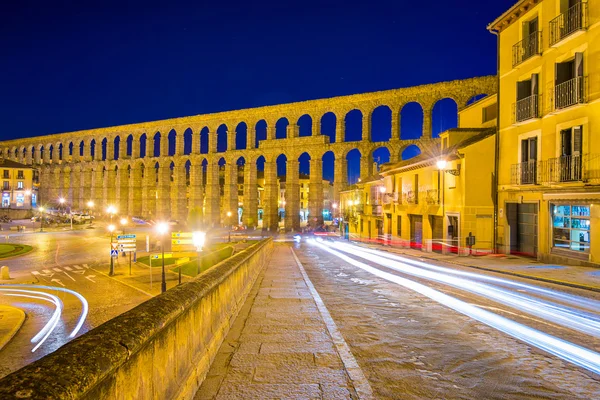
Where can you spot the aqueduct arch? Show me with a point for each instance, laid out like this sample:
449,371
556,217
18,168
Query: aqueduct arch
165,169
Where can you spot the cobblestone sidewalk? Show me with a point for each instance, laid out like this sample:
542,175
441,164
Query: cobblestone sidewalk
281,344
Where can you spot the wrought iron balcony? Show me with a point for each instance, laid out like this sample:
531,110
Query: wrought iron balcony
524,173
573,20
569,93
562,169
527,48
526,108
376,210
432,197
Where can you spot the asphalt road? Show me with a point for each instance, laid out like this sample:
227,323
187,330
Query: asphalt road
420,332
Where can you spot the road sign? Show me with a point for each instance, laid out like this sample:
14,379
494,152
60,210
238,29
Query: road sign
129,236
177,235
114,253
127,243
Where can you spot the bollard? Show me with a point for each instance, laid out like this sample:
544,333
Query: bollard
4,273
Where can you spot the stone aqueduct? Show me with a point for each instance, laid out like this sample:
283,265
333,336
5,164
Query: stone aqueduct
109,167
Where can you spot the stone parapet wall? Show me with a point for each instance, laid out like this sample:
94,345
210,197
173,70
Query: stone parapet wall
162,349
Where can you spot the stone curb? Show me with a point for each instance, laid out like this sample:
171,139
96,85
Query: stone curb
4,339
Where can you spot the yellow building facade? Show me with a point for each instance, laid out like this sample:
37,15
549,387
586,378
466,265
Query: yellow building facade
436,200
549,97
20,184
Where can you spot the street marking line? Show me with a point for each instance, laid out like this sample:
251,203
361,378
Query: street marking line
35,272
89,277
355,373
46,271
65,272
123,283
77,267
68,268
85,266
57,270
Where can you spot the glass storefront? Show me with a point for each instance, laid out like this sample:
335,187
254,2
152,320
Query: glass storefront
571,227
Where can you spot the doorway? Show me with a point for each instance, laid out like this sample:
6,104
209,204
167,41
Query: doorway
416,231
453,232
523,225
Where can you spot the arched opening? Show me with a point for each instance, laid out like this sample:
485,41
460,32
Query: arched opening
353,162
143,144
172,137
204,140
71,149
444,116
204,165
116,148
92,149
328,122
60,152
157,140
304,165
261,132
411,121
156,168
172,172
381,124
305,126
281,165
241,136
380,156
129,147
353,126
187,141
476,98
328,166
281,128
222,139
410,152
104,148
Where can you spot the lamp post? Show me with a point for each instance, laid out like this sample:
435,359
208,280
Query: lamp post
90,206
229,225
111,272
62,203
42,219
123,223
198,238
111,210
163,228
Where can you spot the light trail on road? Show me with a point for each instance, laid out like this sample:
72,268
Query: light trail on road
46,331
567,317
565,350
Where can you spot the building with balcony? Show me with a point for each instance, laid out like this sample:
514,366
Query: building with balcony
549,112
436,200
20,184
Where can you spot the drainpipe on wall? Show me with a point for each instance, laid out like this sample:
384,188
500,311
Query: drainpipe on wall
496,140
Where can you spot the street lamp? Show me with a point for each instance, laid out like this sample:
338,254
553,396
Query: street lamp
111,272
112,211
229,223
163,228
198,238
90,206
123,223
42,219
62,201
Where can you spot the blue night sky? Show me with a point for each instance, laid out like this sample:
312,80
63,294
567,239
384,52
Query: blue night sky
69,66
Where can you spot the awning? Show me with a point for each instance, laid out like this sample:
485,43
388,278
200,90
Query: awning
578,196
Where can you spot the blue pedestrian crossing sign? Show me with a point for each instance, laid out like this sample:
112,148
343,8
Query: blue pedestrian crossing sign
114,253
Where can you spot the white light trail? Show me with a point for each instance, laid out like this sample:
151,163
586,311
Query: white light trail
84,303
46,331
558,314
565,350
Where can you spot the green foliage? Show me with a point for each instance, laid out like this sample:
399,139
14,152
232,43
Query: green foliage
11,250
206,261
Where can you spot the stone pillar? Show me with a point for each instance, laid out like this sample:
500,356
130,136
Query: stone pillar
251,138
56,153
179,194
135,191
97,189
250,214
315,195
123,148
196,203
292,131
231,139
46,155
149,146
339,129
96,149
212,141
366,126
316,127
122,191
340,177
149,192
76,188
366,166
66,187
179,143
110,188
230,195
110,148
395,124
195,141
292,196
163,197
135,147
270,130
36,155
164,143
213,194
44,187
427,122
271,194
28,157
86,185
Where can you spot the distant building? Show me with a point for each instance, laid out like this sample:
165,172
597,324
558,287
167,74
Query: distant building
19,189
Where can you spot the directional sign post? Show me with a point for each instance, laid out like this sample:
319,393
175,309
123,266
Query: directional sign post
127,244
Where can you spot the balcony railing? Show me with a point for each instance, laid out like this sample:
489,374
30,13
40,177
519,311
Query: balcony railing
569,93
573,20
527,48
432,197
524,173
526,108
575,168
376,210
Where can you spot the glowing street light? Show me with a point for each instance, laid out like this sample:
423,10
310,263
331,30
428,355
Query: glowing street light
162,228
111,272
441,164
42,219
123,224
198,239
229,223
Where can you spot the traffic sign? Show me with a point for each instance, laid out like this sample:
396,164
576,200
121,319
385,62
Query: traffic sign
114,253
177,235
129,236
